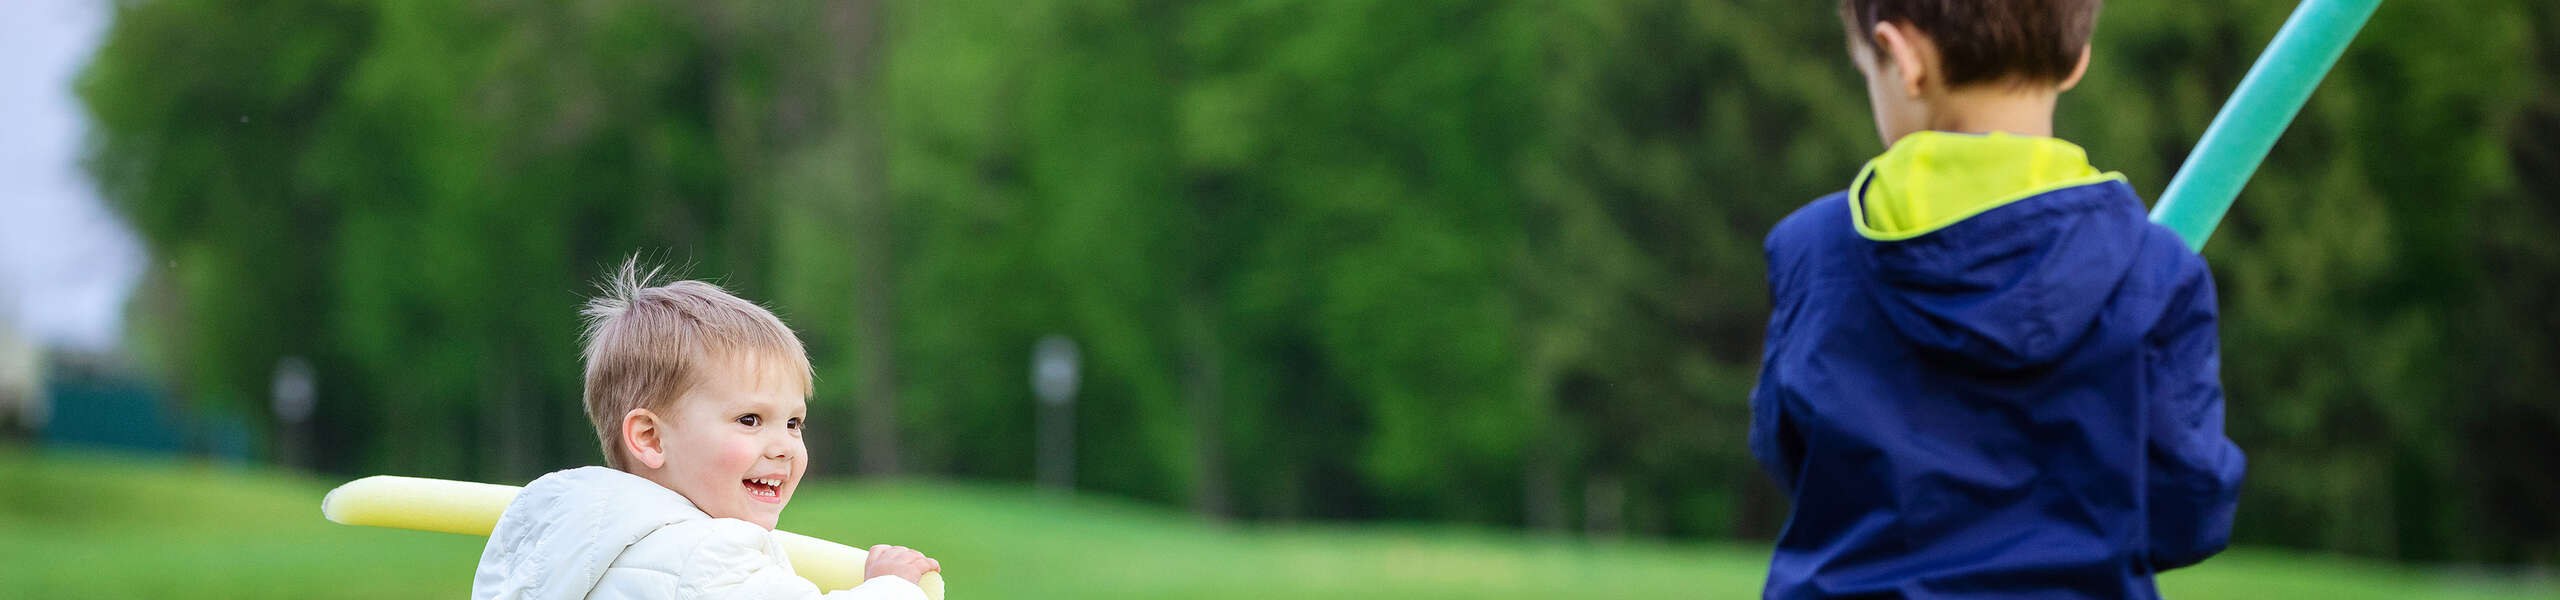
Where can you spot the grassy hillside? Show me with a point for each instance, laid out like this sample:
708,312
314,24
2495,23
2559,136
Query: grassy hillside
117,527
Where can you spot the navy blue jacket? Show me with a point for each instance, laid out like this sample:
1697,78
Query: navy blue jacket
2025,403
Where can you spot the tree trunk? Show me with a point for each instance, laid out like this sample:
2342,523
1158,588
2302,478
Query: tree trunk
856,25
1604,504
1542,489
1203,380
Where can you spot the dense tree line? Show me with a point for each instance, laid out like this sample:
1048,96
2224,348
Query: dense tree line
1484,260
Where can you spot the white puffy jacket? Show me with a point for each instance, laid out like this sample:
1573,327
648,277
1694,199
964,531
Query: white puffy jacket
594,532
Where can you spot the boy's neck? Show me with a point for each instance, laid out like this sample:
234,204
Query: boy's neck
1988,108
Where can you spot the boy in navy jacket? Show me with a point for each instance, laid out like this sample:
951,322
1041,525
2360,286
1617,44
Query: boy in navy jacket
1986,373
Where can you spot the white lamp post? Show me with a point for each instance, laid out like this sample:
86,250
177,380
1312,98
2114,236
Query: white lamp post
294,393
1054,364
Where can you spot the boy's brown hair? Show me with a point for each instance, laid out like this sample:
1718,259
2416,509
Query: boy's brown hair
649,343
1986,41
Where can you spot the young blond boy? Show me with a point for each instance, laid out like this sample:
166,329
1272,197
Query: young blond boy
1986,374
699,398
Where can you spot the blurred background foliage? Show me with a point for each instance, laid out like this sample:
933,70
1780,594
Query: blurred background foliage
1490,261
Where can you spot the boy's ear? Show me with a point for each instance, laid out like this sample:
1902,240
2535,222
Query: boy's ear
2077,70
1913,57
643,438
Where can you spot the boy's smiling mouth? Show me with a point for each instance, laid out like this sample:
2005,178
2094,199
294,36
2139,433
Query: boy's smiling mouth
764,489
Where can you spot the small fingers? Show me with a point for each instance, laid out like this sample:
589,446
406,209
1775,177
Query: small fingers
894,553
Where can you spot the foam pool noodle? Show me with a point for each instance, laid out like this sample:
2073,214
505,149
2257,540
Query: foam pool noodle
2257,113
472,509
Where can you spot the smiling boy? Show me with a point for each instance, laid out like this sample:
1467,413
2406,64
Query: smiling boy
699,398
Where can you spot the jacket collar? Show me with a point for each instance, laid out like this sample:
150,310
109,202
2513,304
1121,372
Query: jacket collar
1929,180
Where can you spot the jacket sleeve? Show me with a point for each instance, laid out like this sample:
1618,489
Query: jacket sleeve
2194,480
739,561
1773,440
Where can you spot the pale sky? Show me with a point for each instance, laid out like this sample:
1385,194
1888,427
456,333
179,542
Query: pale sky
67,263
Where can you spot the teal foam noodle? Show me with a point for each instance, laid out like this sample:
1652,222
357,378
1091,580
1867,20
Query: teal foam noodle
2266,102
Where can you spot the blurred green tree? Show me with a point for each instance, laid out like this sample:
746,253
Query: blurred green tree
1493,261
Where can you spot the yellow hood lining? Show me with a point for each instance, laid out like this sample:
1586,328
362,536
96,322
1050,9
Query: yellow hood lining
1930,180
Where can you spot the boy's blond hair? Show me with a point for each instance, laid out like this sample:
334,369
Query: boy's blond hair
650,343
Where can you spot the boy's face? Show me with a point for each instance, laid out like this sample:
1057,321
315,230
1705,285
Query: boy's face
733,446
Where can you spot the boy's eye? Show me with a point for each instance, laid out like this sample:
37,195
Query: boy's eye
749,420
794,424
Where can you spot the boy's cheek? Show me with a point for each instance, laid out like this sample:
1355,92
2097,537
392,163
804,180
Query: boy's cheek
742,448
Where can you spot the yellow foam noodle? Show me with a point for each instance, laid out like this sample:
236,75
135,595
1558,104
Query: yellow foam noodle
416,503
836,566
473,508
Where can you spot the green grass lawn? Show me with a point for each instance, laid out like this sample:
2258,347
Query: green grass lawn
117,527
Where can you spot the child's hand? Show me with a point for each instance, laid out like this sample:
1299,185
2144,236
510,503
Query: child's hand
900,561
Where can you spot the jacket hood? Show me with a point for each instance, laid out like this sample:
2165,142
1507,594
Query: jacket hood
560,534
1988,250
